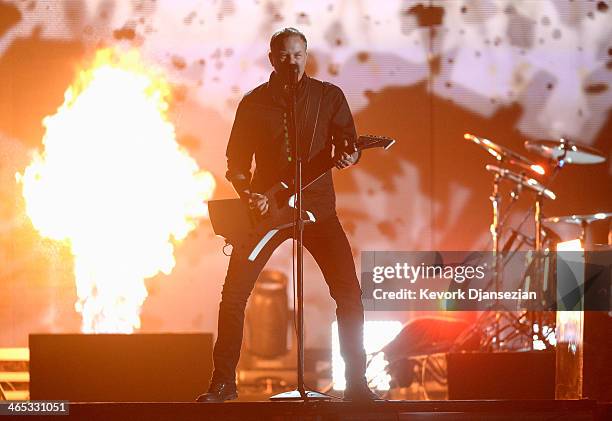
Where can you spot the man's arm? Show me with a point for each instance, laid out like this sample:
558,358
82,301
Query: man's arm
240,150
343,132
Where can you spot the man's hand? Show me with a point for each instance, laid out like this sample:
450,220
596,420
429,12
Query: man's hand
258,203
345,159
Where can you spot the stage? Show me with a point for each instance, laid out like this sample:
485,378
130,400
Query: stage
383,410
456,219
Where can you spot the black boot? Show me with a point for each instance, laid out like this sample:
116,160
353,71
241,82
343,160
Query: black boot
219,392
358,391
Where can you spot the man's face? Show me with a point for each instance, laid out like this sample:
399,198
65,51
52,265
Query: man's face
292,50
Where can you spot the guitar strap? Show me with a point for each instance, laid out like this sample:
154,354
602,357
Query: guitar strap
313,107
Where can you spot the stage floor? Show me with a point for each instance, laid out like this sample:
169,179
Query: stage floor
384,410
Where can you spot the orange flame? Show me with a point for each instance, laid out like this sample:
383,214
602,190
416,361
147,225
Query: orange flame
114,185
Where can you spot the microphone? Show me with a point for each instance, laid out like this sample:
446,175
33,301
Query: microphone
292,72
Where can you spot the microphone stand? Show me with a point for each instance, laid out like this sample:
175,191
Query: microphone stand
300,393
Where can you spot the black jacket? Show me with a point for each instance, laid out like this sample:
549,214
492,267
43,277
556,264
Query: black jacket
259,130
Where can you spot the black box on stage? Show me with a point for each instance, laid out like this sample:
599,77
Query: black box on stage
120,368
597,355
501,375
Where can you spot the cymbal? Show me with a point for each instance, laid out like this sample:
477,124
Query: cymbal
579,219
565,151
504,154
523,180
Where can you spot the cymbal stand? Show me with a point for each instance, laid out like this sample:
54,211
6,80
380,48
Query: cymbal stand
496,236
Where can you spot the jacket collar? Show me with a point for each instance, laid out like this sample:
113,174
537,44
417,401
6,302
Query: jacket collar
278,93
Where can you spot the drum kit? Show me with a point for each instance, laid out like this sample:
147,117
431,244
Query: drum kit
531,325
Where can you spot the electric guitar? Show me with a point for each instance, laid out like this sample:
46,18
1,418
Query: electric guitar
233,220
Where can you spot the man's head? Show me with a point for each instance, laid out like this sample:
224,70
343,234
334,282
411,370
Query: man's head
288,46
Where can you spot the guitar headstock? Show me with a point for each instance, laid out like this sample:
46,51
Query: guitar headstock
372,141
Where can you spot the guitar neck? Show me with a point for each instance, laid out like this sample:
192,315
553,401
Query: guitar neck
321,163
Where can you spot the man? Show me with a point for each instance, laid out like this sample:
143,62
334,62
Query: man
261,129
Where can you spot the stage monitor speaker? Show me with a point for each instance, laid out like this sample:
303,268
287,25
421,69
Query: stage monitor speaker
501,375
120,368
597,355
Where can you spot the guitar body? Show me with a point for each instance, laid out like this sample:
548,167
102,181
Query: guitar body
233,220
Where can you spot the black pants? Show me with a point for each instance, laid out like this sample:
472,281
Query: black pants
327,243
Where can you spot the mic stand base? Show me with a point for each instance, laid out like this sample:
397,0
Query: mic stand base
305,395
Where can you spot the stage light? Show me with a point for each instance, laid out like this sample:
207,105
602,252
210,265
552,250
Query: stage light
376,334
569,335
567,318
571,245
538,168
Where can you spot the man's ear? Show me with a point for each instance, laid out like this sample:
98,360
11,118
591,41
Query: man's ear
271,58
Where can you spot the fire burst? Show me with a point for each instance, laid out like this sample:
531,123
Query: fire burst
113,184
